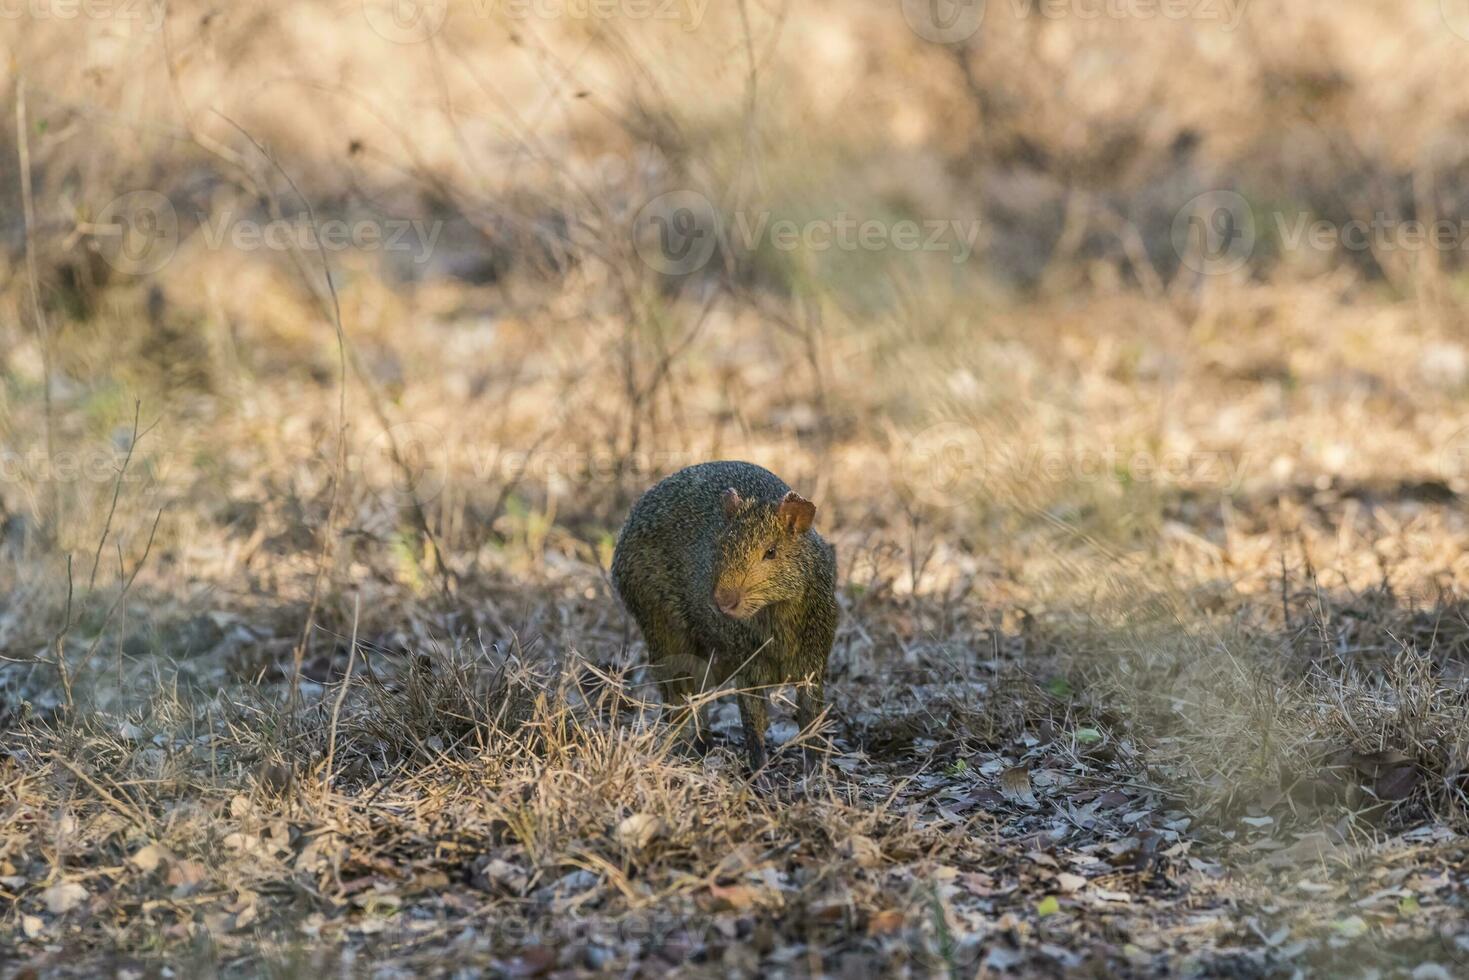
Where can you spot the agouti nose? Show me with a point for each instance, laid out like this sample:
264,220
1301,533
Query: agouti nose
727,599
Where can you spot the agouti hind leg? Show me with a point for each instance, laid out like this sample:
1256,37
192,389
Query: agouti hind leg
680,678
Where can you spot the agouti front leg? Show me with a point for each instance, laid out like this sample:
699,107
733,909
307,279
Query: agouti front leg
754,719
810,700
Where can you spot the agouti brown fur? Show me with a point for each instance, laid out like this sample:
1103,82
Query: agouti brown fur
725,576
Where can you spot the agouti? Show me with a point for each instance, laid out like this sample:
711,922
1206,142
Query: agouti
725,576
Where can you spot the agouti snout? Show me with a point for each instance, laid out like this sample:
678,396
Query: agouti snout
728,602
722,570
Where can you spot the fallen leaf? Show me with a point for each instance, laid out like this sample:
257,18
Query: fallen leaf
1352,927
1430,971
498,871
1397,783
1015,785
864,850
147,858
1308,849
1086,736
275,778
429,881
639,830
885,923
1069,882
245,916
374,902
532,962
186,877
32,926
63,896
1047,906
830,910
739,898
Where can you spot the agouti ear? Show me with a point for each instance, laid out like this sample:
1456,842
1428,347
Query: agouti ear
796,513
731,501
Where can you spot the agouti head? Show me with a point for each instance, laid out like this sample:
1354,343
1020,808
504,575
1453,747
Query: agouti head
764,554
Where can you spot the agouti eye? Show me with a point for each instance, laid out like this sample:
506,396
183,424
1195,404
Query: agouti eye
770,553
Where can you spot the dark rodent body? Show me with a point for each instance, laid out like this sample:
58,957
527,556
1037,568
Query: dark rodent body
678,542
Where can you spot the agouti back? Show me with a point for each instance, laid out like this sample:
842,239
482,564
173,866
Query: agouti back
725,576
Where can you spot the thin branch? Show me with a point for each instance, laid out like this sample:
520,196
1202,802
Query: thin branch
127,586
43,331
298,655
331,744
130,812
117,490
374,401
58,643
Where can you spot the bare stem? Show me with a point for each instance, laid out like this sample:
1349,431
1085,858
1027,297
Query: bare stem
43,331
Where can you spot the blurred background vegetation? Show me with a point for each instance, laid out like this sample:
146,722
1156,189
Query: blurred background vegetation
1169,396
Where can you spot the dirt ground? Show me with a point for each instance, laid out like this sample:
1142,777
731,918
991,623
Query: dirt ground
1125,357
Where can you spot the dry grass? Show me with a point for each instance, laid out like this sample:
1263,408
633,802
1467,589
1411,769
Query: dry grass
1154,654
